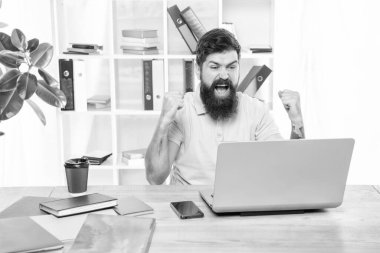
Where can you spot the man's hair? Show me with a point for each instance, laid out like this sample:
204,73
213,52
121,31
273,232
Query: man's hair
216,41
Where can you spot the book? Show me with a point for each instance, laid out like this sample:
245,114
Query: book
193,22
188,75
134,162
83,50
99,99
183,28
148,85
158,84
129,47
141,52
105,233
139,33
22,234
76,205
67,52
140,41
132,206
260,48
86,46
134,154
26,206
98,102
97,157
260,73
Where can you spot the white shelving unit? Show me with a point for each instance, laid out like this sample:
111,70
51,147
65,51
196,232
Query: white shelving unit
125,125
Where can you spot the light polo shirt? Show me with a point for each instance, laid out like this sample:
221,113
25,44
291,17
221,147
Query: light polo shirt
198,135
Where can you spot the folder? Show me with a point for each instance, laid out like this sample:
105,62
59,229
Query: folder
183,28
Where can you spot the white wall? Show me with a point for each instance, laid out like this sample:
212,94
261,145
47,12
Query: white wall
329,51
29,151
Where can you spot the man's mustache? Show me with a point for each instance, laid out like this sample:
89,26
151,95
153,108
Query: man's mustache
221,81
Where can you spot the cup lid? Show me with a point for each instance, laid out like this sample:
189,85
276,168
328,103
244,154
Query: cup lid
76,162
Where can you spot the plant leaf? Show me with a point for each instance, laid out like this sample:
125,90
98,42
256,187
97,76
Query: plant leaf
11,59
5,97
26,85
38,111
8,85
51,95
41,57
48,78
33,44
8,81
19,40
13,107
6,43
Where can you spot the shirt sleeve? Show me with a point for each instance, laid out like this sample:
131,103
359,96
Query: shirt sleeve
266,129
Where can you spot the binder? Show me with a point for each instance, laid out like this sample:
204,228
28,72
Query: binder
193,22
260,73
148,85
66,82
72,83
80,89
188,75
158,84
183,28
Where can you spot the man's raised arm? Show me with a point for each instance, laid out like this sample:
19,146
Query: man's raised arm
161,152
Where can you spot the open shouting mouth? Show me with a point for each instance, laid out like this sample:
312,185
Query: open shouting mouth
222,90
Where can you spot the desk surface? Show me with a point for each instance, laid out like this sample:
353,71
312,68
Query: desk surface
352,227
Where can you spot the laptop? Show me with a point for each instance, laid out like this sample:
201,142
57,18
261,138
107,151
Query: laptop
280,175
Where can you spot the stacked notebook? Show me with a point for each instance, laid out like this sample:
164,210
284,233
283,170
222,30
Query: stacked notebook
76,205
99,102
97,157
134,158
139,41
78,48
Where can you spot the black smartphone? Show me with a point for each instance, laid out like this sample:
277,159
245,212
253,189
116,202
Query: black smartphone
186,210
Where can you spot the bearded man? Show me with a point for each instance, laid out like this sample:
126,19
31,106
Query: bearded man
191,127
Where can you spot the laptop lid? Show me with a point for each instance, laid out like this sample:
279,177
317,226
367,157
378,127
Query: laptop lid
281,175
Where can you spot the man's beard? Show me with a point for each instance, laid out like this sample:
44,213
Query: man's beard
219,108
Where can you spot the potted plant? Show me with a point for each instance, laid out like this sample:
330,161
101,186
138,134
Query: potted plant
25,75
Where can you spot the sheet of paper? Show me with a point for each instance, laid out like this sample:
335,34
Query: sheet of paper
66,228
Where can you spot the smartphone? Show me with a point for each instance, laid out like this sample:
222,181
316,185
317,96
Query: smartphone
186,210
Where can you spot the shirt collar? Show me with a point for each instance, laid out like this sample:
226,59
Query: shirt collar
198,103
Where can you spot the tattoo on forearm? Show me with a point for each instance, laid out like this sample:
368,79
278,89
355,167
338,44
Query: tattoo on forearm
297,132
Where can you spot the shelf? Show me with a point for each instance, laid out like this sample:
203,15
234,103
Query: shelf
143,57
126,125
181,56
92,112
85,56
137,112
256,55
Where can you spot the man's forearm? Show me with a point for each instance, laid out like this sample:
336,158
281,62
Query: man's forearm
298,131
157,155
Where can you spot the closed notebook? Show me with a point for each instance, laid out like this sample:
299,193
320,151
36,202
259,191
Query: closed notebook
75,205
26,206
132,206
106,233
22,234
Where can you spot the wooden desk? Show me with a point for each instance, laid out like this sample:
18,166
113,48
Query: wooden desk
353,227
